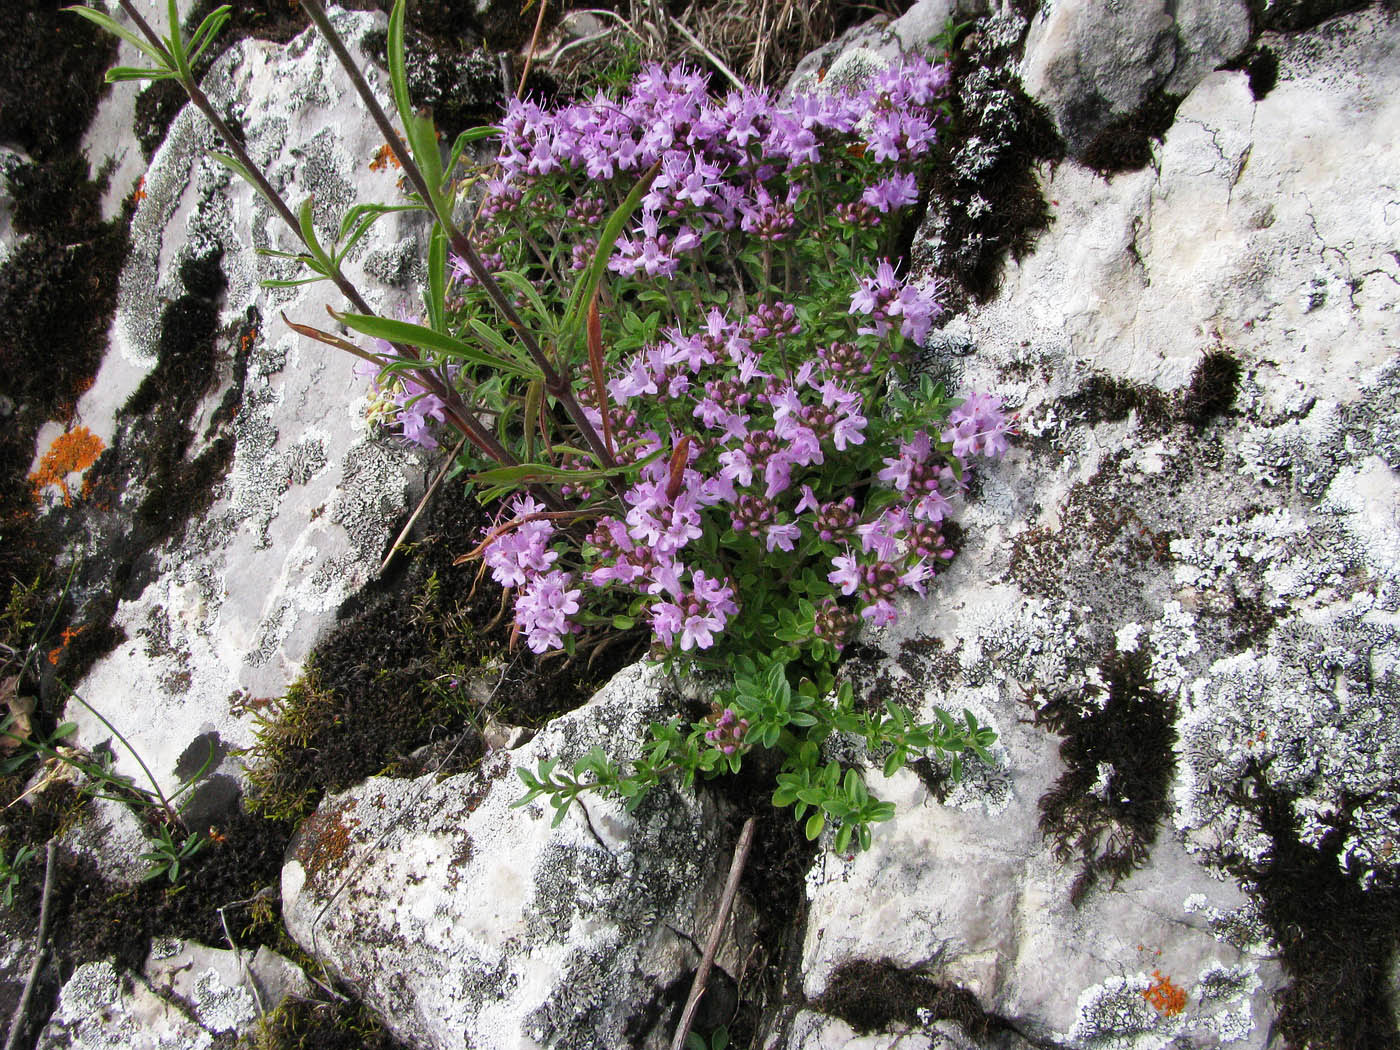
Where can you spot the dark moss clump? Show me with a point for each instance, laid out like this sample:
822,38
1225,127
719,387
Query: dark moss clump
380,686
54,65
1261,63
1337,940
301,1025
985,186
156,107
1126,143
1110,824
1292,15
1107,399
873,996
1214,386
96,920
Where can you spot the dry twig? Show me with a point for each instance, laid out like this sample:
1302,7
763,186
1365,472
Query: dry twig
17,1022
726,904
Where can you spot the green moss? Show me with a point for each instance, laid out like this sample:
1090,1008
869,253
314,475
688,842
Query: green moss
377,688
301,1025
1106,808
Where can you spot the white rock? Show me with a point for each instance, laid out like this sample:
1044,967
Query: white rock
102,1009
114,837
232,607
470,923
224,991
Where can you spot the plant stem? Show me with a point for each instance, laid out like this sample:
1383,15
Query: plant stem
558,386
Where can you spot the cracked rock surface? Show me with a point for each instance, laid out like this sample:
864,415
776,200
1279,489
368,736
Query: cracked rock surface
467,922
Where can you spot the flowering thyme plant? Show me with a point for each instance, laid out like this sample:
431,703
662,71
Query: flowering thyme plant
789,476
717,439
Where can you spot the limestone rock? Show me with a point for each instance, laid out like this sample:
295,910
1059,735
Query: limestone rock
302,498
1092,62
191,997
1203,362
467,922
113,835
882,39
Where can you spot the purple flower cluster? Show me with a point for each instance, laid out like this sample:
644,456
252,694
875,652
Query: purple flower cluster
742,163
757,445
727,734
413,405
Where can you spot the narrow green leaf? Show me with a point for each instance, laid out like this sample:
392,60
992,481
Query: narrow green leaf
120,73
504,347
208,30
437,278
418,335
534,398
175,42
398,78
111,25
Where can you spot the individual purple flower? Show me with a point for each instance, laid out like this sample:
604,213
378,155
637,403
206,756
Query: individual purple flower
543,608
891,194
782,537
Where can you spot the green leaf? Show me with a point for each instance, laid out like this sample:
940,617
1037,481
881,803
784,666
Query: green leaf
208,30
815,823
398,77
437,278
111,25
119,73
465,139
418,335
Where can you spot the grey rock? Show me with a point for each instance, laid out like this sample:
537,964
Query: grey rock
1091,62
190,997
101,1008
114,837
882,39
470,923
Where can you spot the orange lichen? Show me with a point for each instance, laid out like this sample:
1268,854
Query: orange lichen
1166,998
69,633
72,452
383,157
139,194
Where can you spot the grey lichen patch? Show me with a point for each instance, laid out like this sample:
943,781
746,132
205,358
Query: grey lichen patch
321,165
1115,1015
400,265
92,988
373,492
305,459
221,1007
